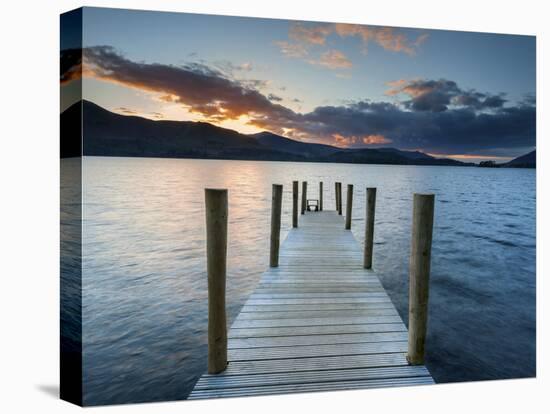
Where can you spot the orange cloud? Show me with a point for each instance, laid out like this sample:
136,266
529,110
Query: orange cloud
470,157
386,37
342,141
314,34
304,37
376,139
333,59
413,88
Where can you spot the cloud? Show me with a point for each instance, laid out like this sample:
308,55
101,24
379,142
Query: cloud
353,140
230,68
460,130
333,59
304,37
274,98
343,141
292,50
440,95
71,65
156,115
125,111
312,33
202,89
436,115
387,37
376,139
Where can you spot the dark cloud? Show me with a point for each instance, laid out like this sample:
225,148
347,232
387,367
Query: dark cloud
203,89
274,98
461,130
440,95
438,115
124,110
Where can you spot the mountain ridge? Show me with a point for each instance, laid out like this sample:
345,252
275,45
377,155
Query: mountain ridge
106,133
528,160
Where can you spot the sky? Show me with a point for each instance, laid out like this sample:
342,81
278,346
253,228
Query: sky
463,95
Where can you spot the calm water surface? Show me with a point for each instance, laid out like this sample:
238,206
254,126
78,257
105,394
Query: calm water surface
144,281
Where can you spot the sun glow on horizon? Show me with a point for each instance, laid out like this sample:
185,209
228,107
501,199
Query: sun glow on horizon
470,157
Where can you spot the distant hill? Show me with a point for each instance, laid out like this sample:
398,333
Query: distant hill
388,156
270,140
109,134
525,161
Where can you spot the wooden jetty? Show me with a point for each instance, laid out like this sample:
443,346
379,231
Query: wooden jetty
319,321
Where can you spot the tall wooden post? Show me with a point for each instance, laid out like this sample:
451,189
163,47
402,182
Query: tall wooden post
304,196
419,275
349,203
216,263
276,204
336,195
320,196
339,198
294,204
369,228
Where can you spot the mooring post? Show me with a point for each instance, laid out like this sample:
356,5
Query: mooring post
419,275
349,203
276,204
336,195
304,196
369,228
216,263
339,194
294,204
320,196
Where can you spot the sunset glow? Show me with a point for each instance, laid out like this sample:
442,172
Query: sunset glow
346,85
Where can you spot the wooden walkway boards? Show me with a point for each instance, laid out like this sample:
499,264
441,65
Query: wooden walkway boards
318,322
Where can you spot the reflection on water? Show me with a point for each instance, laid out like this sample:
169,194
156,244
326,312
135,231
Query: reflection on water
144,282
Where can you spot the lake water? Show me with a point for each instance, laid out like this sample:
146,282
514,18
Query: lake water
144,282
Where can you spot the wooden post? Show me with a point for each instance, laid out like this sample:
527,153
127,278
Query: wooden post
304,196
419,275
216,261
294,204
369,228
339,193
349,202
320,196
276,203
336,195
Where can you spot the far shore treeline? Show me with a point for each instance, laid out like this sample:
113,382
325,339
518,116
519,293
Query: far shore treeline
109,134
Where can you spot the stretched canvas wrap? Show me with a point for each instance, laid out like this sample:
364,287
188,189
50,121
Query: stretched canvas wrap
259,206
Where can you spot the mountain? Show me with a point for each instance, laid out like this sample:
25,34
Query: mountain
270,140
415,155
109,134
525,161
388,156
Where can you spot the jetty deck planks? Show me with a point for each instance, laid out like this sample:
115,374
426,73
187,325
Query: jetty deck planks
318,322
